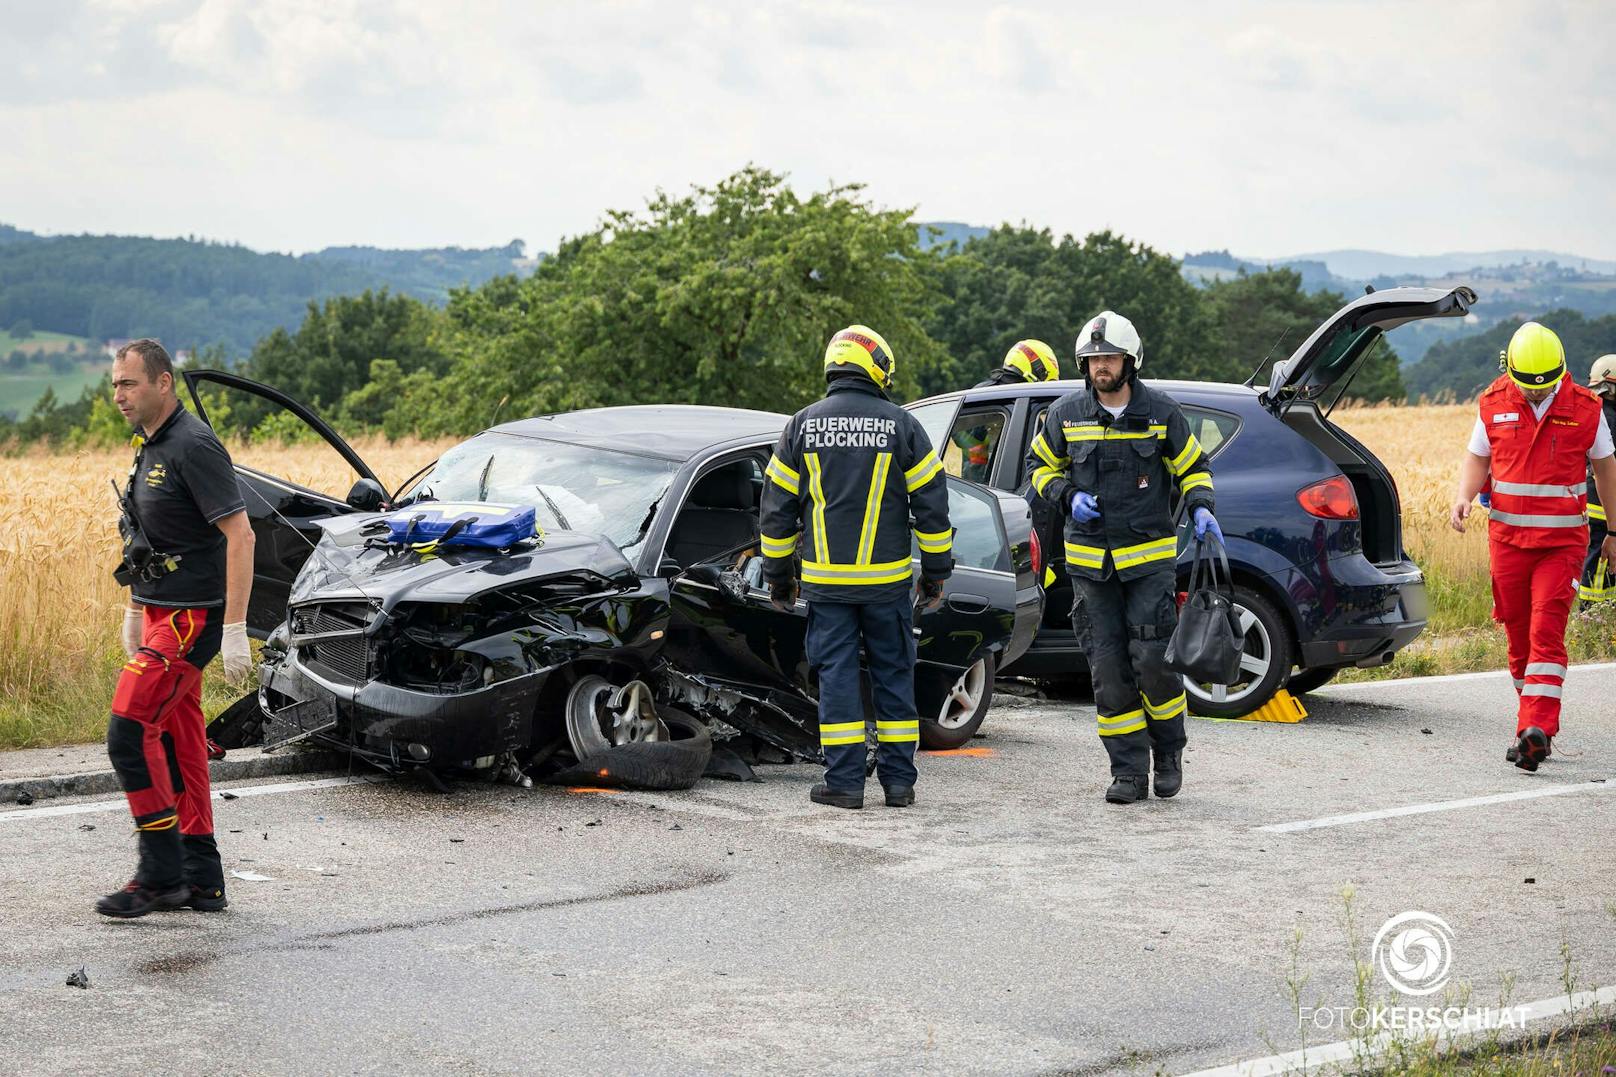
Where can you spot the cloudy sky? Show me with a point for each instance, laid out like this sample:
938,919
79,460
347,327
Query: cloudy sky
1264,126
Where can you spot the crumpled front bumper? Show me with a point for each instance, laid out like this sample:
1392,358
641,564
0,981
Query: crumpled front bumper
390,724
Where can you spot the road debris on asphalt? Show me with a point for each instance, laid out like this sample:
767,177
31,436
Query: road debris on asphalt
250,876
79,979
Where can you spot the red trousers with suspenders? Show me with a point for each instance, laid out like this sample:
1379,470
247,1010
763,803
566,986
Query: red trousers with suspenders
1538,533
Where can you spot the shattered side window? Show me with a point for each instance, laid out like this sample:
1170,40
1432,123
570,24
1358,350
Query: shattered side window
571,487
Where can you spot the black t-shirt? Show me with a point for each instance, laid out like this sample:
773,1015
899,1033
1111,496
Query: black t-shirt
183,486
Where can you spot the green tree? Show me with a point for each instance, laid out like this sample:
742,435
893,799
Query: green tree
727,294
330,354
1460,369
1262,318
1022,282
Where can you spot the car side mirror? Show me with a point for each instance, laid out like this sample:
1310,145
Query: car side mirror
367,495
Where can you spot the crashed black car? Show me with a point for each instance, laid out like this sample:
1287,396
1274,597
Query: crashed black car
641,604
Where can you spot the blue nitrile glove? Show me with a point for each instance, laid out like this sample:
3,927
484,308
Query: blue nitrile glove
1486,499
1085,509
1205,521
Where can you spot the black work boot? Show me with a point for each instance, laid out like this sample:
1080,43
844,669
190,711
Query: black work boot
1532,748
900,796
1127,788
206,898
136,899
1169,771
159,881
1512,753
824,794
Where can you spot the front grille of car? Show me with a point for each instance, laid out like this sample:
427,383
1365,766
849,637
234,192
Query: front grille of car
347,657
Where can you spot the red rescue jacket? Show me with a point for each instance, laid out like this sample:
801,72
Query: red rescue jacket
1539,469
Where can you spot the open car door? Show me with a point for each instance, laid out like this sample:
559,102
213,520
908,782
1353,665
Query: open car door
268,429
723,622
1334,351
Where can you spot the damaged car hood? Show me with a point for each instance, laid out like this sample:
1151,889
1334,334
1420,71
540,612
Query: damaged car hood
344,566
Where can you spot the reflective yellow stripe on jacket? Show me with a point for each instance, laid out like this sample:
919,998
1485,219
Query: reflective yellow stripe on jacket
779,547
852,575
922,473
783,476
1052,467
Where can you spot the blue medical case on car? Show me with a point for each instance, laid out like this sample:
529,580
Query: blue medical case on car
461,523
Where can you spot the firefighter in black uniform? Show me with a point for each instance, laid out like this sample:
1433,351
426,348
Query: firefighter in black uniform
847,476
1108,457
1026,361
1596,584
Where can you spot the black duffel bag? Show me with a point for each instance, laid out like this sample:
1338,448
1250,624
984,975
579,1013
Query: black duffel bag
1207,643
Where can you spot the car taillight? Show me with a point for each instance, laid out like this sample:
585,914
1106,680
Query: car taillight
1331,499
1037,556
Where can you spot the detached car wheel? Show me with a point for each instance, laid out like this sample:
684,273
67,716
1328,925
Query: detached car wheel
963,708
1305,680
675,761
1264,666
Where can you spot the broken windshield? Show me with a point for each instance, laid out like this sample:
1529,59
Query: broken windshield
571,487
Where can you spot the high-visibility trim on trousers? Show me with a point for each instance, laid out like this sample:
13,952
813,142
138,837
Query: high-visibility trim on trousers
1171,709
841,733
1115,725
897,732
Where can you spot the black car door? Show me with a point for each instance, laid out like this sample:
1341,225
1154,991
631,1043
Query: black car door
254,420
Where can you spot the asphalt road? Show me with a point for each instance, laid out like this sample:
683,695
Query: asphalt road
1009,922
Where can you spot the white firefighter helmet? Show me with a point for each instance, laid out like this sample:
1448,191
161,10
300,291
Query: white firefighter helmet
1109,333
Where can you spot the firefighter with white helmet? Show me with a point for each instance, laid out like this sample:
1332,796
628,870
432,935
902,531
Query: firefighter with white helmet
1537,438
1110,457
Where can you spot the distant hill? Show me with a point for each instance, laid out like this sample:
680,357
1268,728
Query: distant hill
193,293
1459,369
1366,265
948,232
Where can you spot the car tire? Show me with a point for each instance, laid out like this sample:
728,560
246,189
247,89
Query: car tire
1266,661
1305,680
675,763
963,708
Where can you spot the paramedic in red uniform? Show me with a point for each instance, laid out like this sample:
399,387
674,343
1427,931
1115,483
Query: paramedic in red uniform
1536,433
187,560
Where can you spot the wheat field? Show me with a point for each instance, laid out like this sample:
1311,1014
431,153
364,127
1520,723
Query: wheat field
60,609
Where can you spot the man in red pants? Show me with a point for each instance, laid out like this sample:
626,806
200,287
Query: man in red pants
1536,434
187,560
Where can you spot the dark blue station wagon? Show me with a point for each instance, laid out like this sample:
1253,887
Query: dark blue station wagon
1312,518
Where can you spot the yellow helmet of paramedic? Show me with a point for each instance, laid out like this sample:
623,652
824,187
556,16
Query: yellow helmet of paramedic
862,347
1033,360
1535,358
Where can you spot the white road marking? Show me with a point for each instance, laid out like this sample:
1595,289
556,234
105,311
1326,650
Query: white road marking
1333,689
20,814
1440,805
1346,1050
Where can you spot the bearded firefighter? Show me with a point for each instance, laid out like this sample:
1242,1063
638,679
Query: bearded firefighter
1535,434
